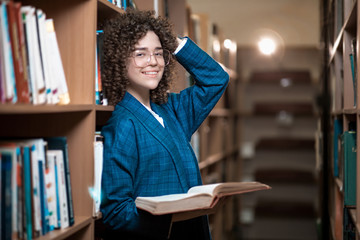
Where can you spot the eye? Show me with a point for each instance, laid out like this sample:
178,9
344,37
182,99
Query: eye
139,54
159,54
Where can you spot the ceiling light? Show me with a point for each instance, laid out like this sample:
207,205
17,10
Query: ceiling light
267,46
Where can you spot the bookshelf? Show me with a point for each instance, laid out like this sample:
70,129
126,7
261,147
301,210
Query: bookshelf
76,23
342,40
219,135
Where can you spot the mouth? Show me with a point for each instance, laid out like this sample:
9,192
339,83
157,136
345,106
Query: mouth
150,73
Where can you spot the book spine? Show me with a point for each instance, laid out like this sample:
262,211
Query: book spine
9,73
63,203
27,192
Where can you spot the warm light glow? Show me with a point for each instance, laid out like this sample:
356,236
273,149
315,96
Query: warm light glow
216,45
267,46
228,44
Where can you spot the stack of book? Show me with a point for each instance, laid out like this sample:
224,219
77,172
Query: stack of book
35,187
31,69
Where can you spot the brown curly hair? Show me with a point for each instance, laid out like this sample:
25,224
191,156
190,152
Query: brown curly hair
120,36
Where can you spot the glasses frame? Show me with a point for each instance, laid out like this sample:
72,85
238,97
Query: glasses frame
165,51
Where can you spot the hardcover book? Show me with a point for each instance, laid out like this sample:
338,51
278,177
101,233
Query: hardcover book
197,198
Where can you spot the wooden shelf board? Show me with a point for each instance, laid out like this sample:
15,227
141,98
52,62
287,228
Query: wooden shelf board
35,109
80,223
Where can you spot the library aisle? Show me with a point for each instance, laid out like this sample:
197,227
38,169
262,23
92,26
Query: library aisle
278,146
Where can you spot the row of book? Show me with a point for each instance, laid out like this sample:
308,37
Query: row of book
344,166
123,3
344,171
31,70
35,187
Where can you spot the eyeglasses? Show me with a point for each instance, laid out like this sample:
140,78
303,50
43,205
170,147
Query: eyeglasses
142,58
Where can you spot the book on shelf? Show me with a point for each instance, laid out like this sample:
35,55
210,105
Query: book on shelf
61,194
51,190
98,162
60,143
353,64
8,73
31,69
6,195
100,98
204,197
35,179
348,167
37,82
338,129
13,21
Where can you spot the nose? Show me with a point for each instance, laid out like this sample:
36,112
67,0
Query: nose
152,60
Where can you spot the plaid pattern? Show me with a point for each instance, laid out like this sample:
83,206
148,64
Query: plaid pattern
141,158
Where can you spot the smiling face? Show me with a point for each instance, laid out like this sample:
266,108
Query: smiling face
144,79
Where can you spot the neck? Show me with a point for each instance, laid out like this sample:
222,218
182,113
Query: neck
143,98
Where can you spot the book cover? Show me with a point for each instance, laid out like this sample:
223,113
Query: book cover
25,150
349,167
41,37
15,47
98,162
38,88
61,189
6,195
197,198
60,143
7,61
50,180
59,85
338,129
13,150
22,86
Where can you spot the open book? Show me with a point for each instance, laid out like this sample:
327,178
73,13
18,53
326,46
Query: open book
197,198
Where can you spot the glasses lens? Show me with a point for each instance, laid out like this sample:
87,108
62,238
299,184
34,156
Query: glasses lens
142,58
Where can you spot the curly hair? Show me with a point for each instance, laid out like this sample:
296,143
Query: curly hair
120,36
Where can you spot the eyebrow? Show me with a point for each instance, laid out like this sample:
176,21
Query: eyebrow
145,48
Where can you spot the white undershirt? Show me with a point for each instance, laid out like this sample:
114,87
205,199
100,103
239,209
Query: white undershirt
160,119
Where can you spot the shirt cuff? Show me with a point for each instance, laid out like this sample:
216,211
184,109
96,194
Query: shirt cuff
181,45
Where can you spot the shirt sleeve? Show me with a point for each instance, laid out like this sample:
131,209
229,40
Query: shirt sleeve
193,104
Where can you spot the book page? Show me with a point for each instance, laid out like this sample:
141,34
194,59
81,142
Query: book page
209,189
165,198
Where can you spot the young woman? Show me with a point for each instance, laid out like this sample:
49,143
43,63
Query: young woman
147,149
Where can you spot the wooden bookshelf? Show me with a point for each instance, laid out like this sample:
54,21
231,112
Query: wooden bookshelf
76,23
343,31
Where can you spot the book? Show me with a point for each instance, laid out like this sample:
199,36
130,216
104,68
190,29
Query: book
197,198
50,180
60,143
7,57
61,194
353,64
37,85
98,162
349,167
59,85
6,195
338,129
23,85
